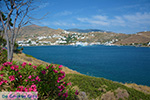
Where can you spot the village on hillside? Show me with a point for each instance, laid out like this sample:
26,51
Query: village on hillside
34,35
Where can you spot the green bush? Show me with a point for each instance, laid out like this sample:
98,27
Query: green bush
3,55
90,85
2,42
47,81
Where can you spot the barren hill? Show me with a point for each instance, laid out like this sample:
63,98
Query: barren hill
141,37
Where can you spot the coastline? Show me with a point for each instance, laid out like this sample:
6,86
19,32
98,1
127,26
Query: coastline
86,46
23,58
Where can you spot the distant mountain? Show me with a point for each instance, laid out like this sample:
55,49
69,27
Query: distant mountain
84,30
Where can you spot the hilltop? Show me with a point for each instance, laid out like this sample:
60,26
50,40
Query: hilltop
37,35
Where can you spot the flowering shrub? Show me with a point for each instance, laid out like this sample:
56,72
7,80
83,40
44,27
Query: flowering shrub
47,81
3,55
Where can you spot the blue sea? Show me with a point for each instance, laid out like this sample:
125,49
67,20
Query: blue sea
118,63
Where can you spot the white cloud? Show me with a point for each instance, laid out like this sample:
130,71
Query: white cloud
64,13
61,23
138,18
43,5
98,19
130,20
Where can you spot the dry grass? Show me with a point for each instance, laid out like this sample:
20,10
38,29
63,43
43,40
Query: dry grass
23,58
142,88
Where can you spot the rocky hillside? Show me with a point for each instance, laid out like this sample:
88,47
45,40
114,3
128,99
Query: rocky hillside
139,38
33,31
52,35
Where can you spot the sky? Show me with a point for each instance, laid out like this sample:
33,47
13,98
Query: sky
120,16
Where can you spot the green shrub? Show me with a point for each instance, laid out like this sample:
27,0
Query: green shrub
3,55
47,81
29,55
90,85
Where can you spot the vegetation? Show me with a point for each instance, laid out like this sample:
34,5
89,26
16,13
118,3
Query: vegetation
29,55
3,55
95,87
3,51
47,80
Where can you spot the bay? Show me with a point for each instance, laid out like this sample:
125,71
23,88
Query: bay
118,63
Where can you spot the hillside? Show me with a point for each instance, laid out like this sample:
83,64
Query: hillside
33,31
141,37
92,88
37,35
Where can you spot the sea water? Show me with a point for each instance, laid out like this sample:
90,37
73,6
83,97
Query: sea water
118,63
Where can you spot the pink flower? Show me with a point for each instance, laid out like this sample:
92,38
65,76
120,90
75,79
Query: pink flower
65,94
59,78
16,66
24,63
57,81
59,87
69,83
30,64
33,87
26,80
16,69
30,77
37,78
59,94
25,89
17,90
10,63
53,67
47,67
62,87
62,72
1,75
34,67
60,66
55,71
20,76
76,92
60,90
5,81
1,83
12,67
43,72
30,89
12,78
35,90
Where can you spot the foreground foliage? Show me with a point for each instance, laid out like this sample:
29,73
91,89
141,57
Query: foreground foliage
3,55
47,81
96,87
